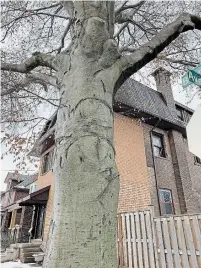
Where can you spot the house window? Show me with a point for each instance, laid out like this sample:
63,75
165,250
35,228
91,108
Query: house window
158,145
47,162
197,160
166,203
180,114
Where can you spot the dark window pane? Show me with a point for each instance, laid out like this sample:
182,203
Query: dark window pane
168,209
47,162
166,204
180,114
197,160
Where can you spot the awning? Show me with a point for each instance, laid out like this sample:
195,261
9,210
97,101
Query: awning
37,197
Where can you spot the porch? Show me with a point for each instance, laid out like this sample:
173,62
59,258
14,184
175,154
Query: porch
24,220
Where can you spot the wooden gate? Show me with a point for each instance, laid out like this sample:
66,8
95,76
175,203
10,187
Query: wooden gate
145,241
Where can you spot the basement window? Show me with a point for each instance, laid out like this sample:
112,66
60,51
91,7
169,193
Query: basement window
166,203
158,145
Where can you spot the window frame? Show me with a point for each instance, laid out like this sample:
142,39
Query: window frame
42,170
181,113
161,136
161,203
197,160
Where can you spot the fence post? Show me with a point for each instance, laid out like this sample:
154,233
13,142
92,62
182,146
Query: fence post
119,236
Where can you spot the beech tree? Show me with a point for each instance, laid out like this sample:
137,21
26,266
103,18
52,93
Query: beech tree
89,48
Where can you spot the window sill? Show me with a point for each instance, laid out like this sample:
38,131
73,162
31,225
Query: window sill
161,157
197,164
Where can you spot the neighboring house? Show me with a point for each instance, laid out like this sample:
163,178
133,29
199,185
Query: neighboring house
18,187
2,193
152,154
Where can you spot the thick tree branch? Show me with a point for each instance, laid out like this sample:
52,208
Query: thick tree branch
37,59
147,52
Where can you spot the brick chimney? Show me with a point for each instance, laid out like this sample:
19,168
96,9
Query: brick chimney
163,85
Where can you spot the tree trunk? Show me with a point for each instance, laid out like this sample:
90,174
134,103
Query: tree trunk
83,229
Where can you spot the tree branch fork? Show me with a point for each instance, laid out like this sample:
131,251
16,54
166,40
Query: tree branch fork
128,64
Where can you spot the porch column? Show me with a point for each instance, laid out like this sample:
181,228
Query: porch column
5,221
12,222
25,223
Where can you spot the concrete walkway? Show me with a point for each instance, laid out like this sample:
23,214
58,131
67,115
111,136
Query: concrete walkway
18,264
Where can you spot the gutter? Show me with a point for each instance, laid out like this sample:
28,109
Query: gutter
154,163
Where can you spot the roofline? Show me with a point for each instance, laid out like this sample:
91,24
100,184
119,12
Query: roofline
33,151
184,107
179,127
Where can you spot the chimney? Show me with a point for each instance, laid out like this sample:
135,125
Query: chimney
163,85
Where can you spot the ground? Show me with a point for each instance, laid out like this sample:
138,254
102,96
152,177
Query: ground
18,264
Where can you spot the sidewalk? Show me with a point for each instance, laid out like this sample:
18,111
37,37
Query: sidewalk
18,264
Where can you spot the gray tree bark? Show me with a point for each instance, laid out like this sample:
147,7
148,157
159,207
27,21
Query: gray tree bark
83,230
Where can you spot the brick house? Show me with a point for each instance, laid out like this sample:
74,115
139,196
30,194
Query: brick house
152,154
18,186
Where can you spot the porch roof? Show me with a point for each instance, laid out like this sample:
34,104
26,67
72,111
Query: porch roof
37,197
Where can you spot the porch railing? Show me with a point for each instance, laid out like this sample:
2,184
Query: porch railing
10,236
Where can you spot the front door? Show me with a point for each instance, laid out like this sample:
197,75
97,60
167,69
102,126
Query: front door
39,221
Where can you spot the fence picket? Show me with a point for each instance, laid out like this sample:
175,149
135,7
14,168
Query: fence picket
181,238
134,241
197,232
173,235
167,244
144,237
130,263
120,237
139,243
125,260
150,239
160,242
190,241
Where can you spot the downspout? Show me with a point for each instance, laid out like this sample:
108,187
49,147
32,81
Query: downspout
154,163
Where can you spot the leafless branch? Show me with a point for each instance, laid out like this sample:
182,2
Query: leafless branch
64,36
182,62
37,78
124,7
147,52
37,59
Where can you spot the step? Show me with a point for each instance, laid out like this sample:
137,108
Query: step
29,245
27,260
34,249
36,240
29,254
9,250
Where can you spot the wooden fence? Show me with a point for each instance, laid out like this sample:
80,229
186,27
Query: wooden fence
145,241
